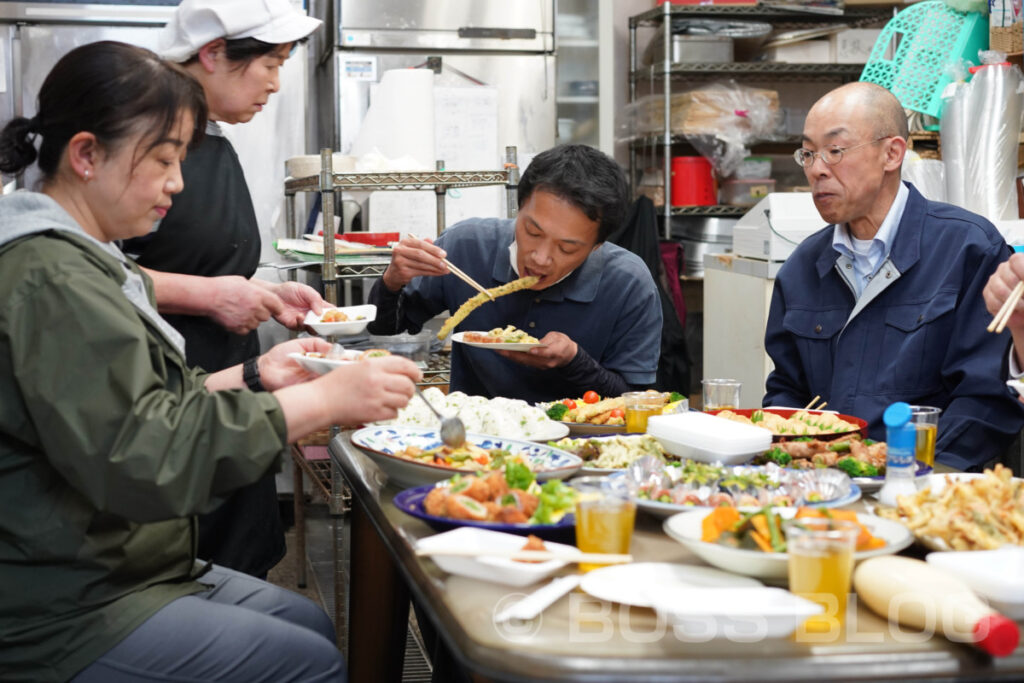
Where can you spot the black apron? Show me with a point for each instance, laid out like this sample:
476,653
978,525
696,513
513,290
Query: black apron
211,230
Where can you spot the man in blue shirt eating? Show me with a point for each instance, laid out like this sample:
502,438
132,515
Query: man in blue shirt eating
885,304
595,307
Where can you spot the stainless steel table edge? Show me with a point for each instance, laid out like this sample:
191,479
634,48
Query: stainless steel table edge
954,663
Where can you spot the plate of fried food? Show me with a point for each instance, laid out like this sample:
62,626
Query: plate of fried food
511,500
508,338
341,321
964,511
589,414
412,456
322,363
593,414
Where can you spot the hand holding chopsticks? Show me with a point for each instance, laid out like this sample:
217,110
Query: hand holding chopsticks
998,323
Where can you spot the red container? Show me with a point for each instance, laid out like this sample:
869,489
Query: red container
376,239
693,182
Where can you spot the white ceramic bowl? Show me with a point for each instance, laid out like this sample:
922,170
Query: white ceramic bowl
742,615
368,313
496,569
686,528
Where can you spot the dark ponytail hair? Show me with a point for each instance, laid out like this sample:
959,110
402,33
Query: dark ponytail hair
110,89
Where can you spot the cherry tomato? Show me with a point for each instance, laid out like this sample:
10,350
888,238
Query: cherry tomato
569,403
591,397
617,412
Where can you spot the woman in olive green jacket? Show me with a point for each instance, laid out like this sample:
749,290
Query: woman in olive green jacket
109,443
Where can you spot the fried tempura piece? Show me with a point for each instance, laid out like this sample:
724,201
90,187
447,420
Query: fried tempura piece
434,503
475,302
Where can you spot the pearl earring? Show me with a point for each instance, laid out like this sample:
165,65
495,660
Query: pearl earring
86,174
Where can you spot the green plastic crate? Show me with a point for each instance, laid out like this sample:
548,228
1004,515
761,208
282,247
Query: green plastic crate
930,37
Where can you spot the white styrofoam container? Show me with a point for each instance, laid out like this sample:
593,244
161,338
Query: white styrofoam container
995,575
707,438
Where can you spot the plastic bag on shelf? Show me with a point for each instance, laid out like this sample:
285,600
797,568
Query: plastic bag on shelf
719,120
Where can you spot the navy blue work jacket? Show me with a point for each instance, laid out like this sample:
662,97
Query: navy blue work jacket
916,335
609,306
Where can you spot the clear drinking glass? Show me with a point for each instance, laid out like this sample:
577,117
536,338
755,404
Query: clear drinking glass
605,515
926,420
721,394
820,567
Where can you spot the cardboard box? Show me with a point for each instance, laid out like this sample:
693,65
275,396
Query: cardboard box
818,51
854,45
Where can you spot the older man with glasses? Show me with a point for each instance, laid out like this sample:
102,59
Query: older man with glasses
885,304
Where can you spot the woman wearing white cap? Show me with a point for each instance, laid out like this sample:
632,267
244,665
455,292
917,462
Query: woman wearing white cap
206,249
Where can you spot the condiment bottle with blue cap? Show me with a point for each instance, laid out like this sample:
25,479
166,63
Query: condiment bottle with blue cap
901,440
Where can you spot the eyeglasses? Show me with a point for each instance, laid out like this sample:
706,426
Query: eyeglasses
830,155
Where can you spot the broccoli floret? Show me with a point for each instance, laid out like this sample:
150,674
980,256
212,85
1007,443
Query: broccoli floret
675,396
778,456
857,468
518,476
557,411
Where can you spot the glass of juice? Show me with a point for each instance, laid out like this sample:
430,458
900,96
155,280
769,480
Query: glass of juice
605,515
926,419
721,394
640,405
820,566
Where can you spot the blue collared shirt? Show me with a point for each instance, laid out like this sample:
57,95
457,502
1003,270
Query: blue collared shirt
866,265
609,306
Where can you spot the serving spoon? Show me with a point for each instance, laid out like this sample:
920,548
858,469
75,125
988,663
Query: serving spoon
453,432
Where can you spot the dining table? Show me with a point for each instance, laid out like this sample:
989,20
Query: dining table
583,638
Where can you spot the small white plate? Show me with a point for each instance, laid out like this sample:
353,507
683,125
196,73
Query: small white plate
457,337
350,327
495,569
629,584
322,366
686,528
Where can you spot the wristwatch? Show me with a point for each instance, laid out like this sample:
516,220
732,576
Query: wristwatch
251,374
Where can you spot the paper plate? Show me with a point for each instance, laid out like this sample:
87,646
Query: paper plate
497,346
629,584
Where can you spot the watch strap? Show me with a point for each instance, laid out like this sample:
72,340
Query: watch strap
251,374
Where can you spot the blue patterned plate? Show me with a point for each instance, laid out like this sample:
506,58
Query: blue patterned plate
381,444
410,502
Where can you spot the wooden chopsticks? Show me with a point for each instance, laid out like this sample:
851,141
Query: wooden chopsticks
528,555
810,405
1000,319
467,279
